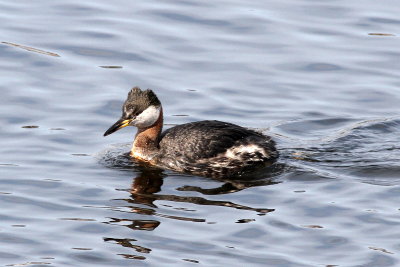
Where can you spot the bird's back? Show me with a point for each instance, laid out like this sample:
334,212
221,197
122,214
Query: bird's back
213,144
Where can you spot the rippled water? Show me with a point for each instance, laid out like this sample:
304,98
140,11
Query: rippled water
320,77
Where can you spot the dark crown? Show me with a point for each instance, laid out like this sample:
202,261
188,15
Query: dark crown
139,100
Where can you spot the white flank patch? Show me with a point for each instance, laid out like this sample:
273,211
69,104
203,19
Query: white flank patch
147,118
238,151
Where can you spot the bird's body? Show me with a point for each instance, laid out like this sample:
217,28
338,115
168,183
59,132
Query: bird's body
209,148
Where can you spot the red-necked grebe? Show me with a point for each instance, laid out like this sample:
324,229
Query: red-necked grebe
210,148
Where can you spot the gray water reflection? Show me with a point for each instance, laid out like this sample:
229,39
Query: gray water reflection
144,193
151,183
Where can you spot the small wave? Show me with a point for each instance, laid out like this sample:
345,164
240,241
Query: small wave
116,156
367,150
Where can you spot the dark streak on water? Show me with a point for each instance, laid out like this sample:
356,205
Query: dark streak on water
321,78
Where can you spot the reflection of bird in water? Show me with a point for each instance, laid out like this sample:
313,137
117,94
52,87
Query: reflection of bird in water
143,193
150,181
210,148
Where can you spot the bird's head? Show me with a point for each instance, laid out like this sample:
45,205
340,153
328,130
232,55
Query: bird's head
141,109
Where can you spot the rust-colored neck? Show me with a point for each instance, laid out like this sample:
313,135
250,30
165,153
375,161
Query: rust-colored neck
147,139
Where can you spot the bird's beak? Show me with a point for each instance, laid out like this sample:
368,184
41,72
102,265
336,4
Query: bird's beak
121,123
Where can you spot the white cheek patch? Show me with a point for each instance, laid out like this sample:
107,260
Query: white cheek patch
147,118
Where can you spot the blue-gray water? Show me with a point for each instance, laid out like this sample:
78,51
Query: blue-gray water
321,77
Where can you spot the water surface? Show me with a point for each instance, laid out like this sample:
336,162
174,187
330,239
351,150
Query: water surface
320,77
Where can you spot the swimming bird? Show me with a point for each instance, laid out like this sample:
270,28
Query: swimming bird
207,148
